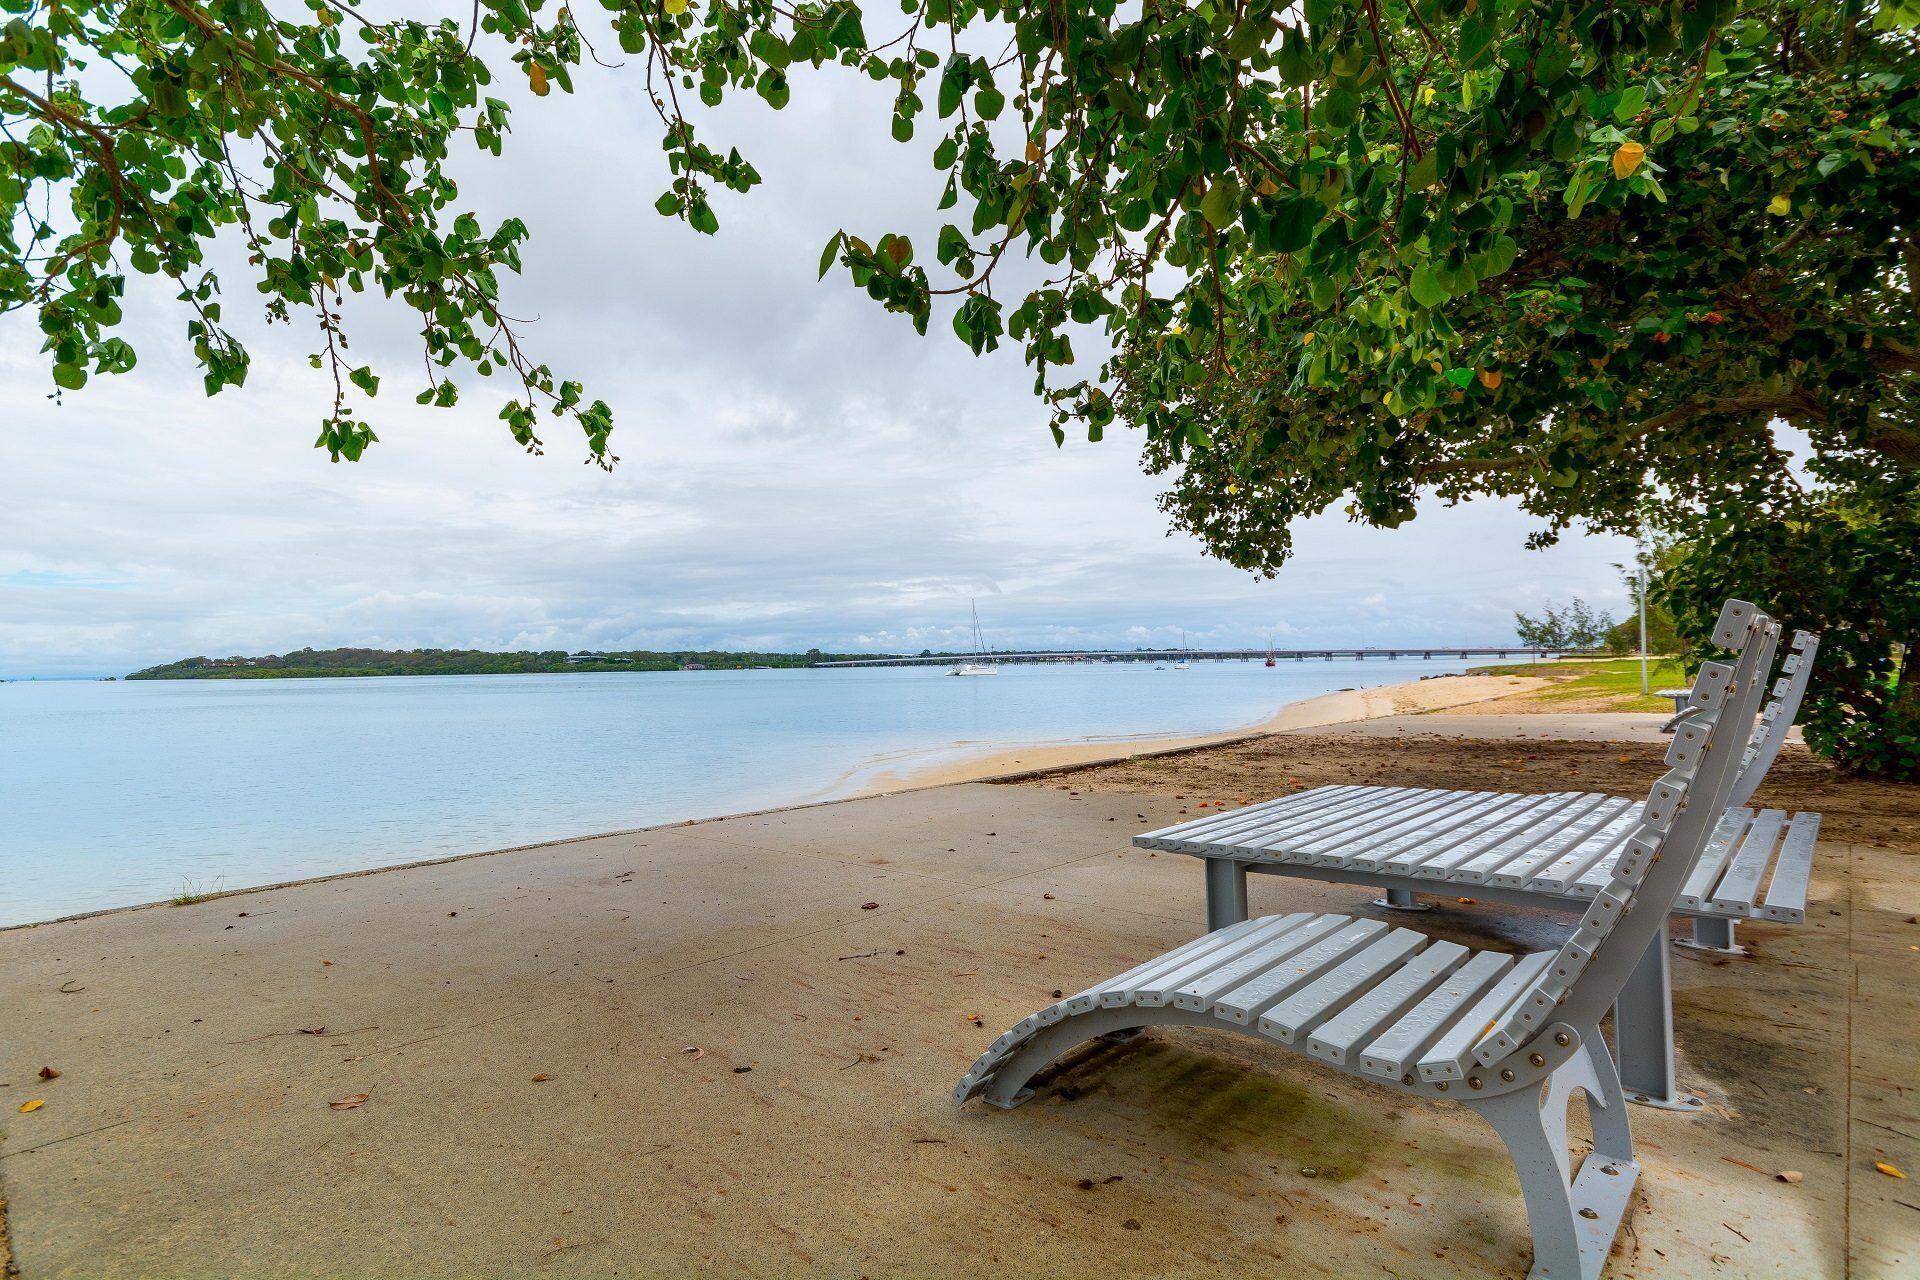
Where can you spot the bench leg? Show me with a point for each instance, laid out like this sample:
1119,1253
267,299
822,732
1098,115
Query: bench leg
1712,934
1226,893
1574,1216
1643,1033
1401,900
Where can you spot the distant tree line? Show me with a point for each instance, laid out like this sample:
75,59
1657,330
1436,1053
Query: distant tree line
466,662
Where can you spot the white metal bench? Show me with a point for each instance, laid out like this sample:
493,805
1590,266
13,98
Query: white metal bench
1556,850
1511,1037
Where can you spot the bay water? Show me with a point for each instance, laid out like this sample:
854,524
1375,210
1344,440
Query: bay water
117,793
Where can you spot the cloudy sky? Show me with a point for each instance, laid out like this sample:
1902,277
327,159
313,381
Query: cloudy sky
799,468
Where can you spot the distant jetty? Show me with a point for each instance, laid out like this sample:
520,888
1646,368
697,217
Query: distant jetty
310,663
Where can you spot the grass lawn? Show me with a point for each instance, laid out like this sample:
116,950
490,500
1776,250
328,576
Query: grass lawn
1617,680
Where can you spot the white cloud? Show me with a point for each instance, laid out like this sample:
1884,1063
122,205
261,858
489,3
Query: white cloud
800,469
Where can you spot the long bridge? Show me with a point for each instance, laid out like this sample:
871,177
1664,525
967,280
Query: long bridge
1197,655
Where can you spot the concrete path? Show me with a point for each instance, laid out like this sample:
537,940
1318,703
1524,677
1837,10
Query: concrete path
699,1049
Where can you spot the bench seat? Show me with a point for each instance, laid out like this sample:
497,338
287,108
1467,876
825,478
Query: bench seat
1561,845
1387,1003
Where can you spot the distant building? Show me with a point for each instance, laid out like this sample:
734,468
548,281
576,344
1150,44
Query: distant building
695,666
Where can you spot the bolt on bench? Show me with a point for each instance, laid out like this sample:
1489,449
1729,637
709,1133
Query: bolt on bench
1512,1038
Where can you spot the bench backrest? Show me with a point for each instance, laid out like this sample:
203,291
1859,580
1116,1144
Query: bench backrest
1771,733
1587,973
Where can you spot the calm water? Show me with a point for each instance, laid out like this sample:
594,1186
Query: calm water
113,794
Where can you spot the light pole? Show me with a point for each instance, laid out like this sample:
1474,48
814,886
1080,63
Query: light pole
1640,554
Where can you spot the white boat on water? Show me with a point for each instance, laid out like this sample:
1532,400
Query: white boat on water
1182,664
974,664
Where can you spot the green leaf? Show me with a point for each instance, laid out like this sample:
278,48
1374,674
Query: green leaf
1426,287
1221,205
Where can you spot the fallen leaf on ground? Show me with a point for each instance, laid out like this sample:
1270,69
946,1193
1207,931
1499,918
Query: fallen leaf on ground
48,1073
1467,902
697,1052
311,1031
1790,1175
326,962
1892,1171
33,1105
1626,759
348,1104
869,906
542,1078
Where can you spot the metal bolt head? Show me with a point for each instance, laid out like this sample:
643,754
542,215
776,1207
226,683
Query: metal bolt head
1537,1059
1406,1079
1442,1086
1473,1082
1562,1039
1506,1075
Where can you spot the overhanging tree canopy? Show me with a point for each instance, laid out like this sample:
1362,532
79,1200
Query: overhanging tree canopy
1567,250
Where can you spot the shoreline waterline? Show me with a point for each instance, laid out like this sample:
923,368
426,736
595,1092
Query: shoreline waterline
988,764
964,762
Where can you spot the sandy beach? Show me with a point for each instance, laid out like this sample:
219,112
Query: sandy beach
725,1048
1346,705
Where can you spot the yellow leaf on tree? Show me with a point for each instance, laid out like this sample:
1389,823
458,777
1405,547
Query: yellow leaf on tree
1780,205
537,79
1034,151
34,1105
675,6
1490,379
1892,1171
1627,158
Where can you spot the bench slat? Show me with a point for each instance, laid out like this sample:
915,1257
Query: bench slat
1300,823
1303,848
1200,990
1706,871
1546,816
1306,1008
1740,882
1444,828
1112,993
1447,1060
1475,870
1609,824
1409,851
1216,825
1251,997
1159,988
1397,1051
1336,1039
1206,821
1787,891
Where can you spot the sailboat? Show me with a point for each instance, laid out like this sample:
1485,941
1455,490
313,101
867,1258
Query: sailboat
1269,653
1182,664
969,666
